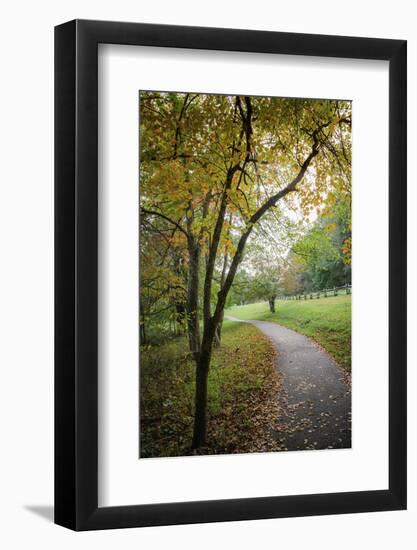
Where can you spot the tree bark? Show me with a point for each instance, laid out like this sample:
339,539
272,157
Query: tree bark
192,297
142,332
202,370
218,333
180,298
271,301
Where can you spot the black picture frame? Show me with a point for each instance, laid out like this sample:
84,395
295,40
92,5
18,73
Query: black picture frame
76,272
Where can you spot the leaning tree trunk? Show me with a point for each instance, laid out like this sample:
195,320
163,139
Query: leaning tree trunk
210,323
218,334
204,357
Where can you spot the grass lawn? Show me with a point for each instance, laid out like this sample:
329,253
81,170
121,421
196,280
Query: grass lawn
242,389
326,320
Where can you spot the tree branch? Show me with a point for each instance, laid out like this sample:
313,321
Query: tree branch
166,218
256,217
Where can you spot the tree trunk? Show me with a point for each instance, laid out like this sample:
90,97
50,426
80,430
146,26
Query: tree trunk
200,414
142,333
192,299
180,315
202,370
218,333
210,322
180,299
271,301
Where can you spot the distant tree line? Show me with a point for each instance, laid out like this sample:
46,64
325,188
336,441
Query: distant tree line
320,259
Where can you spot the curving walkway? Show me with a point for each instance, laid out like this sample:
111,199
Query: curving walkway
317,400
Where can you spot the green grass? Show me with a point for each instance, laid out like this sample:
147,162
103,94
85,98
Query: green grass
325,320
242,378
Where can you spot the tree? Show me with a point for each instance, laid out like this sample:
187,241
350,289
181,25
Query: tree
324,251
212,168
162,280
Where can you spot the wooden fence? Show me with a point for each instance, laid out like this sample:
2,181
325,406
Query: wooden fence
324,293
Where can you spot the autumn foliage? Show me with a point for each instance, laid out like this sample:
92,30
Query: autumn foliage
215,172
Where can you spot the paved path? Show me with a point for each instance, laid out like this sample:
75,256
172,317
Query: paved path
317,400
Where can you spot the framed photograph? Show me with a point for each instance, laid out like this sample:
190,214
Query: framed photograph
230,253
